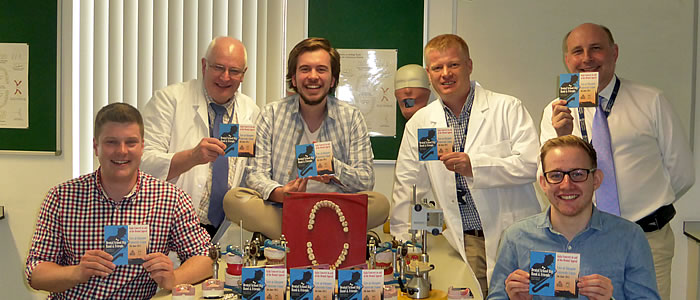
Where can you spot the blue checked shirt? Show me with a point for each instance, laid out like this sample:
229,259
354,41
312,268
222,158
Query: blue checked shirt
609,245
280,128
467,208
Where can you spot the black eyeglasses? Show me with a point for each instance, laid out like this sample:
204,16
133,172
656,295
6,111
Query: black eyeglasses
576,175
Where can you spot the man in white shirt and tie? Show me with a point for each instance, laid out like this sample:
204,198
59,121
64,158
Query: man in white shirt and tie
649,151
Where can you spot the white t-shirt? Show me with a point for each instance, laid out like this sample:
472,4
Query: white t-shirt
314,186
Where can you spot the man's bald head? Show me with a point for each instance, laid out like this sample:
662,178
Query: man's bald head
226,44
223,68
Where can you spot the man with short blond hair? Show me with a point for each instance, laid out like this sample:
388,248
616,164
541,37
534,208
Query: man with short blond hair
485,184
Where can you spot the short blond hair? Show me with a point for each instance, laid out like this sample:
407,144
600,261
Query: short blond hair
445,41
568,141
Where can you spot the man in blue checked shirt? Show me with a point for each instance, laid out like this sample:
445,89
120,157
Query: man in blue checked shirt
615,257
311,115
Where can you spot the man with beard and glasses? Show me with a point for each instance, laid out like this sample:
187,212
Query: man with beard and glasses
311,115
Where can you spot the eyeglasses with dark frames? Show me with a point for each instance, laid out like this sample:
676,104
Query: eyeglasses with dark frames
576,175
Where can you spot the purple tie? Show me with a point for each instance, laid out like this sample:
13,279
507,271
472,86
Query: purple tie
219,174
606,195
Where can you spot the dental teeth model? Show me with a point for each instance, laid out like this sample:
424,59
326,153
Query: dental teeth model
343,221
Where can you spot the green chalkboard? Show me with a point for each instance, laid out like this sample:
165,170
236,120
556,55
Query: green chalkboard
34,22
373,24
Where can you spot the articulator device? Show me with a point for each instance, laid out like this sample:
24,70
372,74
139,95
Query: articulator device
413,276
249,254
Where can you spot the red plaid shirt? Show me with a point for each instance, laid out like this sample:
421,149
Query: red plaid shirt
72,221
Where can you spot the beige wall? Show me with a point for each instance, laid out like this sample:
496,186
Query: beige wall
24,182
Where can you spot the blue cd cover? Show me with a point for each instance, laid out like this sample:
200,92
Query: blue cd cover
116,242
306,160
229,136
427,144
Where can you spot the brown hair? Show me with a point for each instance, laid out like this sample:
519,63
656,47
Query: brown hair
443,42
313,44
568,141
117,112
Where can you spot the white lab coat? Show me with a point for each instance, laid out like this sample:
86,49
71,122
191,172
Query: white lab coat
176,119
502,144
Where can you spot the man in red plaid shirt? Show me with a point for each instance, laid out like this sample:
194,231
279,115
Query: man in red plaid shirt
67,256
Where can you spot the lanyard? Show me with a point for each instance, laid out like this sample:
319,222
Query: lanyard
606,110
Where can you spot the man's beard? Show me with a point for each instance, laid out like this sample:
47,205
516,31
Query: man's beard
313,102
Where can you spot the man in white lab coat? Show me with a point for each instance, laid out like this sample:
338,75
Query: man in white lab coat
486,183
180,142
